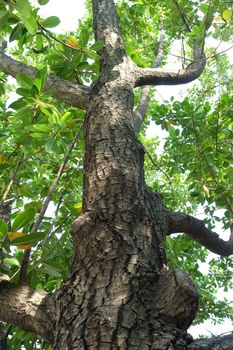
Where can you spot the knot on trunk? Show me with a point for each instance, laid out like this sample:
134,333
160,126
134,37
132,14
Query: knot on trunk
177,299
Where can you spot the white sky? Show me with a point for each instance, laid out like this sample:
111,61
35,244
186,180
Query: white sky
69,12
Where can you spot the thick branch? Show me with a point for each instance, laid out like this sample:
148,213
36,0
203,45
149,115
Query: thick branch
158,76
195,228
105,18
214,343
106,28
65,91
26,308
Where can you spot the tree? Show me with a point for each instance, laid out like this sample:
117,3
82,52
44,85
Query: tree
118,293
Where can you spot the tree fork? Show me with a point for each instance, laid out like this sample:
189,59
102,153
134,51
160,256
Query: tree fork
119,264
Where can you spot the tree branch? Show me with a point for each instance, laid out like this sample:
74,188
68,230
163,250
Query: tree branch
65,91
105,18
106,28
26,308
195,228
156,76
214,343
11,182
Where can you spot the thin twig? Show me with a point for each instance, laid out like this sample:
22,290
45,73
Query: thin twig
23,269
157,166
216,183
20,161
10,183
218,117
57,243
208,165
53,222
182,15
56,39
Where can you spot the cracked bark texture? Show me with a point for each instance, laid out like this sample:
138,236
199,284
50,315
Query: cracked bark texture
119,294
27,308
112,299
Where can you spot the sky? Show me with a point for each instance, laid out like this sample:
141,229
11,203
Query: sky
69,12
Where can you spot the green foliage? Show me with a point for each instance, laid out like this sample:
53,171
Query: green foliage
51,22
23,218
194,173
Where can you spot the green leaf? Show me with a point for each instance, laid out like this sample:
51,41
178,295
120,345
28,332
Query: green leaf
40,78
98,45
23,7
24,80
3,227
84,37
20,103
67,116
51,22
24,92
92,54
22,219
32,239
51,270
78,207
25,12
17,32
51,146
204,8
38,135
11,261
42,128
43,2
39,42
13,19
26,191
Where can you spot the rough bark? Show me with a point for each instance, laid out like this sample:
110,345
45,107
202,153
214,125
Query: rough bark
223,342
195,228
26,308
112,299
156,76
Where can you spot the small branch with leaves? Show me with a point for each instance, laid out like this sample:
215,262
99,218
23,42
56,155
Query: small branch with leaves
65,91
23,269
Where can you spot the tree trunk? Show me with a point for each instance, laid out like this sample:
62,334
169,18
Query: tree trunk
117,296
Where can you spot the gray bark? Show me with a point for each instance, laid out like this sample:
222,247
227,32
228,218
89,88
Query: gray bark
195,228
26,308
223,342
